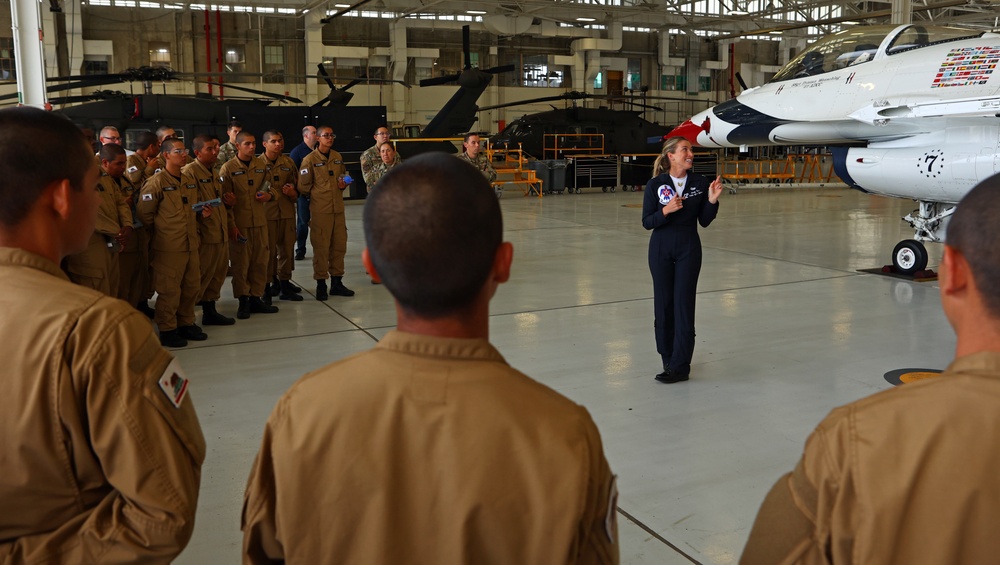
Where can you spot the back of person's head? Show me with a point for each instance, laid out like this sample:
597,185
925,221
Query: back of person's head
432,230
975,232
30,138
144,140
110,151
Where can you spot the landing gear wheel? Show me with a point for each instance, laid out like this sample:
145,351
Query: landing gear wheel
909,256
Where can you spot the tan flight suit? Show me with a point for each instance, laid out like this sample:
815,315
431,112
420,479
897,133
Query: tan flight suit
139,172
133,260
249,259
318,179
910,475
165,204
428,450
281,218
213,232
98,465
97,266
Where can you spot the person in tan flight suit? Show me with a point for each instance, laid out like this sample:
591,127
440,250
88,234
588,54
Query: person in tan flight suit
909,475
142,163
102,450
245,188
165,204
282,175
213,230
97,266
430,448
321,178
133,259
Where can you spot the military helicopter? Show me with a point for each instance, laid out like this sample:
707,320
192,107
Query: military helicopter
625,131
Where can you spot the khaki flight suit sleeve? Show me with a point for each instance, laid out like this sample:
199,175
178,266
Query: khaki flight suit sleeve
149,202
259,521
599,527
226,185
150,451
807,517
306,179
124,212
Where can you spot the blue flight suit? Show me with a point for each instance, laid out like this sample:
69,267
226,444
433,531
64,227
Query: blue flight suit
675,263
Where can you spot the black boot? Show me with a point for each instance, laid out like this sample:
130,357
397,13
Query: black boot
275,288
170,338
192,332
211,317
266,299
337,287
292,287
257,306
321,293
287,293
243,312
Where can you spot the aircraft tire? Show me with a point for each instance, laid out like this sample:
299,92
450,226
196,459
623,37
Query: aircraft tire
909,256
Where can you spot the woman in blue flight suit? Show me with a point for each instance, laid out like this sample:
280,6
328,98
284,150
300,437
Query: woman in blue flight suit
674,201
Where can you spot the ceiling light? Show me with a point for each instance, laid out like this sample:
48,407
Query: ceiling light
585,19
341,5
740,13
850,23
774,32
477,12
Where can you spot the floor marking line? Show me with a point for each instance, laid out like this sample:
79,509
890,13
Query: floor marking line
649,531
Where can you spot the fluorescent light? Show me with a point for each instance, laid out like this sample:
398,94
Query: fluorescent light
341,5
585,19
775,32
850,23
479,12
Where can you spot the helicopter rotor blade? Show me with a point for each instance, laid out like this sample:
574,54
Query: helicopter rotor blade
271,95
325,76
440,80
465,47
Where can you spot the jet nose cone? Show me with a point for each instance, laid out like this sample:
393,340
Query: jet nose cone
688,130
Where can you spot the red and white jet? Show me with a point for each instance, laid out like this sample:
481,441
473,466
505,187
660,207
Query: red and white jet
909,111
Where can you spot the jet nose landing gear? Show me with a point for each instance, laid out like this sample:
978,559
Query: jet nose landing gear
909,256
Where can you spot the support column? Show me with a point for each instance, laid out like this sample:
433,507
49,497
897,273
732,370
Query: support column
314,52
29,61
902,12
398,60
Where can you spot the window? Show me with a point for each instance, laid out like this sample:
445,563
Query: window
159,54
274,64
633,78
599,81
537,72
95,65
234,58
7,69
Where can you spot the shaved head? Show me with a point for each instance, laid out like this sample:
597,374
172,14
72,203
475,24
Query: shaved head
432,229
974,231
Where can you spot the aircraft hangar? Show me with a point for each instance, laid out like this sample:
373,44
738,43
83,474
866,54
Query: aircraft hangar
788,324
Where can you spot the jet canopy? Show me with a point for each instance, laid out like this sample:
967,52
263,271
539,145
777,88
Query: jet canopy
861,44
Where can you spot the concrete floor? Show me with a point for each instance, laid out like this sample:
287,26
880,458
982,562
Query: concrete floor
787,330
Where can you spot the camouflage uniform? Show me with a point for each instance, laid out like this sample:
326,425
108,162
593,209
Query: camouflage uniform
481,162
227,152
372,161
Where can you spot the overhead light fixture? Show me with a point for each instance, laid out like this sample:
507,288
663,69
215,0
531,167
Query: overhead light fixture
341,5
850,23
586,20
475,12
775,32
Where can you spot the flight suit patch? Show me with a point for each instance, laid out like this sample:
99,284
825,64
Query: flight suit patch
285,168
204,181
174,383
304,172
259,171
147,197
133,169
169,188
238,173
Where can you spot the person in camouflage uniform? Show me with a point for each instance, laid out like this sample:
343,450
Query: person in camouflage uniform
479,160
229,150
372,161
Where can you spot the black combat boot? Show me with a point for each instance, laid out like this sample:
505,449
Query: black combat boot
257,306
292,287
243,312
337,287
192,332
321,293
275,288
211,317
266,299
170,338
287,293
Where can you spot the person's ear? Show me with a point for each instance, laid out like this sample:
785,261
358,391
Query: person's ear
501,262
61,198
366,260
954,276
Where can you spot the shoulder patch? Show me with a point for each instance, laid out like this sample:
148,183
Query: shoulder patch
304,172
133,169
147,197
174,383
